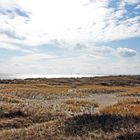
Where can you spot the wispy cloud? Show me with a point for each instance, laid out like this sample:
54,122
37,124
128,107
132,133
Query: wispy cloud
87,63
71,21
32,58
132,1
137,7
81,28
126,52
14,47
11,34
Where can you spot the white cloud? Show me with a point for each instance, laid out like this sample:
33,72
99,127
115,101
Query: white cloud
85,63
13,47
98,51
32,58
104,51
67,21
138,6
126,52
132,1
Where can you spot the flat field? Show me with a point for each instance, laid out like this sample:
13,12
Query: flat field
92,108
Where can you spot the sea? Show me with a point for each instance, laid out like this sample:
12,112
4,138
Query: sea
25,76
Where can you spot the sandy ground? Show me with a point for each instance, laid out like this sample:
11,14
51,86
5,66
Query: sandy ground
105,100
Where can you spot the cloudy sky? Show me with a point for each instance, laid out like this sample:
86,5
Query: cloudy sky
70,36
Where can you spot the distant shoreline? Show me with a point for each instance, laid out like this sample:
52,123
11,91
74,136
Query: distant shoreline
48,76
4,76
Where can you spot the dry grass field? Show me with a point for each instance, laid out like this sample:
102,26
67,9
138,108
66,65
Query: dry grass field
99,108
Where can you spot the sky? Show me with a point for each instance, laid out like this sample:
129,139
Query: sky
70,36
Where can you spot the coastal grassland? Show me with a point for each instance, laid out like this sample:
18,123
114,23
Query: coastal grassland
44,90
26,105
66,109
127,107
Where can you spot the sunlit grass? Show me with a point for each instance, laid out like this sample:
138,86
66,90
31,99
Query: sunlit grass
125,107
10,98
77,105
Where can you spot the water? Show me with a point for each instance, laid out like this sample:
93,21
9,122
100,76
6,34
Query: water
24,76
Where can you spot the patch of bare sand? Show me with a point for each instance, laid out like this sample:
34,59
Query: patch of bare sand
105,100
